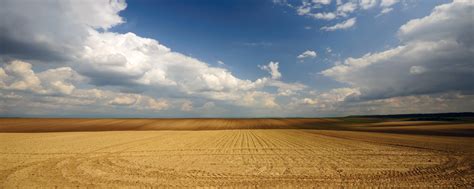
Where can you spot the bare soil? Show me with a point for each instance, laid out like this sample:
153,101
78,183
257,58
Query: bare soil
97,153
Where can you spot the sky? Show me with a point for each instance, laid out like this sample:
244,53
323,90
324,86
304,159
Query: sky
235,58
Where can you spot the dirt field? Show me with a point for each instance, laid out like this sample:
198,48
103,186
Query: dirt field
234,152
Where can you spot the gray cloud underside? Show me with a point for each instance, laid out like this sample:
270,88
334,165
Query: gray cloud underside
436,56
58,58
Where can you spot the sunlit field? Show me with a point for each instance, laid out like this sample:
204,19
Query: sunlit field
236,94
235,153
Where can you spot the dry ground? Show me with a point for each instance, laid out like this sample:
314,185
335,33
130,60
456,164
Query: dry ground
234,152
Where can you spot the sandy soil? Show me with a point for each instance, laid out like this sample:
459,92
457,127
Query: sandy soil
232,155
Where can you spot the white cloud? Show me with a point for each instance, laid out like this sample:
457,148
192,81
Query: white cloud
324,2
310,101
446,102
287,89
346,8
220,62
272,68
56,87
306,10
338,102
446,22
307,54
19,75
385,11
55,29
123,100
259,99
330,99
341,26
367,4
323,10
87,69
154,104
435,57
60,79
187,106
133,60
105,57
324,15
388,3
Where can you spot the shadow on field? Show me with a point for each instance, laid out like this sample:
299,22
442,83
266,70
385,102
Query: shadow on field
461,128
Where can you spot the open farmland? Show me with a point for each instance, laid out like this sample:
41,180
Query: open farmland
235,152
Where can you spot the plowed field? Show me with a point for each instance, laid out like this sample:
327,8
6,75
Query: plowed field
252,154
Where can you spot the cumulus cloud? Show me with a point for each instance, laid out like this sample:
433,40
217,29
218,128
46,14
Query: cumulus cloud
341,26
187,106
67,29
388,3
446,22
324,15
54,87
324,10
58,89
324,2
367,4
346,8
60,79
130,60
19,75
123,100
307,54
120,60
386,6
261,99
338,102
94,65
155,104
330,98
272,68
53,30
312,8
435,57
306,9
61,58
287,89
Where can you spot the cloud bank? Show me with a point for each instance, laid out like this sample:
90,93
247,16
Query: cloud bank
436,56
59,58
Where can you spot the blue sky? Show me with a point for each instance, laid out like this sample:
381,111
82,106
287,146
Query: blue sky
244,34
275,58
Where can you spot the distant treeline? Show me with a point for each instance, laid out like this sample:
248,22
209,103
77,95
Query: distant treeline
461,116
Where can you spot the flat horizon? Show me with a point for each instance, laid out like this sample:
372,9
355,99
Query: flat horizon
237,94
